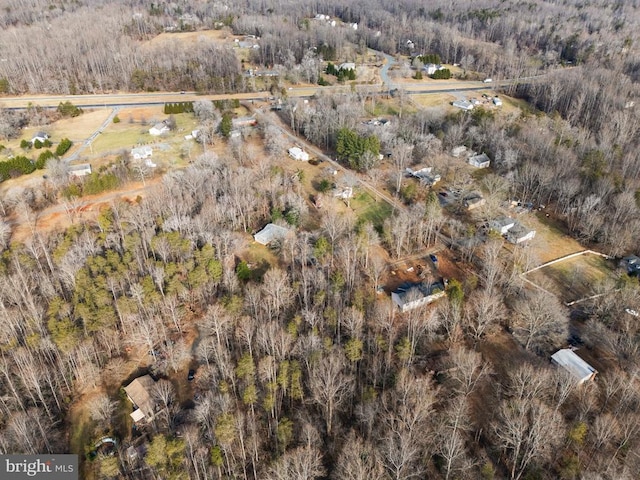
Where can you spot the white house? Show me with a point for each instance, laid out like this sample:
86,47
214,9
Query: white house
244,122
577,367
159,129
298,154
271,232
139,393
425,175
79,170
140,153
413,295
463,104
480,161
519,233
40,136
430,68
502,224
347,66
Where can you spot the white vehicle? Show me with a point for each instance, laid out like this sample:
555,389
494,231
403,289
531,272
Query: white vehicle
632,312
487,80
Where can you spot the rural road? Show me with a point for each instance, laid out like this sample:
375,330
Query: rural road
160,98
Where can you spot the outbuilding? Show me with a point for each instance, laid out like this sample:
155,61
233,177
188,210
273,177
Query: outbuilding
576,366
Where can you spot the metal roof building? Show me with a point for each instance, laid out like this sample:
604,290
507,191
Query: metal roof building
577,367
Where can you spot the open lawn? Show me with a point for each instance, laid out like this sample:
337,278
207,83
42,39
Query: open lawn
368,209
575,278
551,241
433,100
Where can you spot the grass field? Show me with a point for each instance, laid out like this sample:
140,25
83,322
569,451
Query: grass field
368,209
433,100
577,277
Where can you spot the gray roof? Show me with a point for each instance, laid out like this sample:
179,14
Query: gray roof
270,233
576,366
410,291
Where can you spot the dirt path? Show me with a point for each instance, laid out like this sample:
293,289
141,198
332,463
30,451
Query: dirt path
65,213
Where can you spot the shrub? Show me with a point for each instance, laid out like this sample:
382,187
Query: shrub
63,147
116,119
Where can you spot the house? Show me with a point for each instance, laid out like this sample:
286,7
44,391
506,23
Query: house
298,154
458,151
497,102
480,161
40,137
463,104
159,129
572,363
344,193
79,170
244,122
430,68
631,264
519,233
502,224
270,233
473,200
139,393
140,153
425,175
347,66
413,295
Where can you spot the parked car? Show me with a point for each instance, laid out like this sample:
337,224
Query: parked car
433,258
192,374
487,80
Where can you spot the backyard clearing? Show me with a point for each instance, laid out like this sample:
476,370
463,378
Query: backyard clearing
576,277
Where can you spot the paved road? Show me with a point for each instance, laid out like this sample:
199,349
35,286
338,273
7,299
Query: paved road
120,100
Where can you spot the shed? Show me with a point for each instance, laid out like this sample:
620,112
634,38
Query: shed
463,104
576,366
497,102
459,150
480,161
298,154
139,393
79,170
271,232
413,295
244,122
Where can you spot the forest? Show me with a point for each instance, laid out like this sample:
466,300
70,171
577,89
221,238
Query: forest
300,367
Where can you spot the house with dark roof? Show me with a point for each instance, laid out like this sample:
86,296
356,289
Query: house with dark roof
40,137
519,233
411,295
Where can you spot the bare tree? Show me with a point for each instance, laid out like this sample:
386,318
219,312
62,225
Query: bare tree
330,386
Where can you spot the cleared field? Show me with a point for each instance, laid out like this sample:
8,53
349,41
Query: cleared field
433,100
368,209
575,278
551,241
